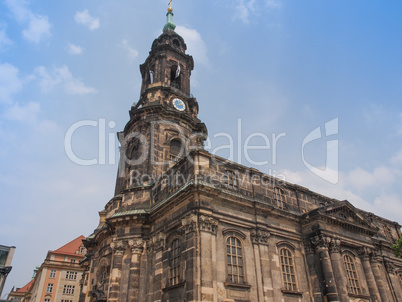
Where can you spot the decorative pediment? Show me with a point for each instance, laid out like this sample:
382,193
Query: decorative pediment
344,215
346,212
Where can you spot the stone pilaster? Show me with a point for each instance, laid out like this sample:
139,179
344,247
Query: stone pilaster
395,283
137,248
339,272
118,248
189,223
365,254
259,238
208,227
321,244
378,272
311,263
208,224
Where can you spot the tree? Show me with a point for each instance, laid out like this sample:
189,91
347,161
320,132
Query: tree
397,247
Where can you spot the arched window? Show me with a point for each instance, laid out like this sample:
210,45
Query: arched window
176,149
175,76
175,263
234,256
288,269
351,273
279,197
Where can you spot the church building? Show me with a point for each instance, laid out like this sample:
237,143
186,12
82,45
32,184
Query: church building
186,225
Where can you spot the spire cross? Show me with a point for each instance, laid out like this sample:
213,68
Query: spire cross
170,4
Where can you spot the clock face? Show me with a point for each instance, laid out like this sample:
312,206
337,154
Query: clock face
179,104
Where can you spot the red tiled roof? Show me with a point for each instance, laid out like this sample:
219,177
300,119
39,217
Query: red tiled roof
25,288
71,247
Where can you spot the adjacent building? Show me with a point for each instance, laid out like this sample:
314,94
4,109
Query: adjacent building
185,225
58,278
21,294
6,256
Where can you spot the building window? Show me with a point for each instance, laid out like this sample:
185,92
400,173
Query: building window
47,300
175,262
176,150
49,288
68,289
279,197
72,260
351,273
82,250
288,270
52,273
231,180
71,275
234,258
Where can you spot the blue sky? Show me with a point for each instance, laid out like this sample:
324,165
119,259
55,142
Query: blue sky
280,67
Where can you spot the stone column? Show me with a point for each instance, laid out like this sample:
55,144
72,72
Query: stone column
190,257
137,247
259,238
364,254
118,248
208,228
321,243
395,284
338,266
311,263
380,278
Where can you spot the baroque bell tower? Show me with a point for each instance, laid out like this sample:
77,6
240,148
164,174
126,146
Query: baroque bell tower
157,142
163,125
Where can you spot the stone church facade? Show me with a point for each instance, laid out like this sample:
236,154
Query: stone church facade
185,225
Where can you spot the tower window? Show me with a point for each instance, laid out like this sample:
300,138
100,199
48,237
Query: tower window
175,76
288,270
176,43
176,150
279,197
234,259
175,263
351,273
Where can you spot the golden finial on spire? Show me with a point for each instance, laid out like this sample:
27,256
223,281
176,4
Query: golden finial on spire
170,9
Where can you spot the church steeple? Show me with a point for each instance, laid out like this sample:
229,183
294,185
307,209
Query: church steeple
169,23
163,126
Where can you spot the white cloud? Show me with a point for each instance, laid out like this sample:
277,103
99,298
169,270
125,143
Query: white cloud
85,18
243,10
273,3
362,179
74,49
246,9
61,75
38,28
4,40
397,158
10,83
132,53
21,113
38,25
195,45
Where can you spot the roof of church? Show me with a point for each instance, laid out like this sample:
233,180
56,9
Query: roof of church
71,247
26,287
